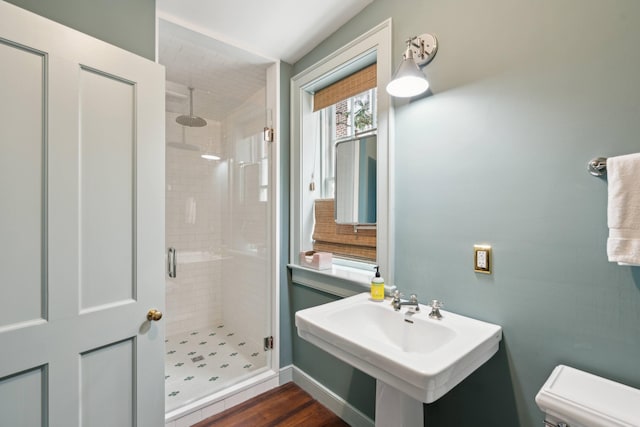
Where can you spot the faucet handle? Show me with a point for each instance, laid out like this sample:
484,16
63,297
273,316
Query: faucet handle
436,304
413,299
435,309
395,301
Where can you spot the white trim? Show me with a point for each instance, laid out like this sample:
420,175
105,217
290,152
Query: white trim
286,374
377,39
343,55
339,281
273,72
332,401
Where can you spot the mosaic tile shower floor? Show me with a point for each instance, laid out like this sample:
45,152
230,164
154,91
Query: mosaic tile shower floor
199,363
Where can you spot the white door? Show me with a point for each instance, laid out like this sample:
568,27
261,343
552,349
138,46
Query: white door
81,229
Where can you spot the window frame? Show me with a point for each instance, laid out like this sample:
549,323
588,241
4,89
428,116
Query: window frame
375,44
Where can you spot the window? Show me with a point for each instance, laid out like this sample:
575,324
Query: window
340,217
339,122
314,136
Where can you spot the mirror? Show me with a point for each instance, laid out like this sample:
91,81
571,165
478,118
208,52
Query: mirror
355,175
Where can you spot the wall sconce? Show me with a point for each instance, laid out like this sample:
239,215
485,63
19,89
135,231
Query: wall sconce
409,80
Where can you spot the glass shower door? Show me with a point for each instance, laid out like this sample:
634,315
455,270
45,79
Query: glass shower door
247,272
218,221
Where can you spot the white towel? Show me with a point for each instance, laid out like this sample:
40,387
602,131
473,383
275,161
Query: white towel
623,211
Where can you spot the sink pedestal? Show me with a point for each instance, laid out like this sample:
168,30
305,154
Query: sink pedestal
395,408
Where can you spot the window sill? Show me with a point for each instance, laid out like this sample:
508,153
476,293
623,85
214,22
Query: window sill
340,280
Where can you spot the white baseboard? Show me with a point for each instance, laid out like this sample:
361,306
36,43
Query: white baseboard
332,401
286,374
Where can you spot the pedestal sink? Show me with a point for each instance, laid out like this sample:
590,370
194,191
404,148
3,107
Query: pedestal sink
413,358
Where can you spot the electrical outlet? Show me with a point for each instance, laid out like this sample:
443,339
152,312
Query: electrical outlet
482,259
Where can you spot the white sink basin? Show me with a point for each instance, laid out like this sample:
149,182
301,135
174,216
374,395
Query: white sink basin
419,356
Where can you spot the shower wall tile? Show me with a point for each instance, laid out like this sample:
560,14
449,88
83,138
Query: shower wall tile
194,227
194,297
249,315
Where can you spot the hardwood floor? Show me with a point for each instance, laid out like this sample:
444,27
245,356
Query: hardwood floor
286,406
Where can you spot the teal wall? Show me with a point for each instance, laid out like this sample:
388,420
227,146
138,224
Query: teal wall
286,321
129,24
524,94
351,384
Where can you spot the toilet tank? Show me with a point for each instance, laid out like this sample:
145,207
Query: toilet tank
579,399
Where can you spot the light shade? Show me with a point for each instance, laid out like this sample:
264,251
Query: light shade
210,156
408,80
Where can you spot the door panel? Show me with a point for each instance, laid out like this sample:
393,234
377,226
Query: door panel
21,225
82,170
111,368
107,146
15,410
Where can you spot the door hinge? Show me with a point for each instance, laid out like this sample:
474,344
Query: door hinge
268,343
268,134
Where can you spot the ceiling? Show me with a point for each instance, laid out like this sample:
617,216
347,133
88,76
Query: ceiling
222,48
223,77
275,29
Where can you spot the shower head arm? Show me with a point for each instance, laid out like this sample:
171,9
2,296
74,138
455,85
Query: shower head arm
191,120
191,101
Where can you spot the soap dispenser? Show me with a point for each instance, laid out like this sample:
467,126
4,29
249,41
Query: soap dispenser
377,286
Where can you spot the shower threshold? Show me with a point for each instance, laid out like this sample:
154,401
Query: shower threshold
202,362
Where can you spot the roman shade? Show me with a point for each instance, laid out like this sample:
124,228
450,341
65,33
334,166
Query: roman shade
347,87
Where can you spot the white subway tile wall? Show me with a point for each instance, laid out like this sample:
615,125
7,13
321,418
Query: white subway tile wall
194,204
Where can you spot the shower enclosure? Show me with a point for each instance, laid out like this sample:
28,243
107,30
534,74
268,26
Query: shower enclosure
220,215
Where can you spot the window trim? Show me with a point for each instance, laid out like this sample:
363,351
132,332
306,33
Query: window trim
375,43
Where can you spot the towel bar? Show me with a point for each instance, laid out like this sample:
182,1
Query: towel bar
597,166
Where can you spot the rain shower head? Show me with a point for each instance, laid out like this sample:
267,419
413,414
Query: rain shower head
191,120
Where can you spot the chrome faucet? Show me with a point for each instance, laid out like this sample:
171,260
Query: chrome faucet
397,303
435,309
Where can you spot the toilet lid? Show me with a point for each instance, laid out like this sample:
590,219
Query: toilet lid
574,396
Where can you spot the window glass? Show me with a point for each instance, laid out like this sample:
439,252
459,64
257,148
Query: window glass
342,121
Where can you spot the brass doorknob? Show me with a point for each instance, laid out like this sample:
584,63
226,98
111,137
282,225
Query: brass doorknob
154,315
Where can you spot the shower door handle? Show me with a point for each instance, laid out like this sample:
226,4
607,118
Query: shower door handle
171,262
